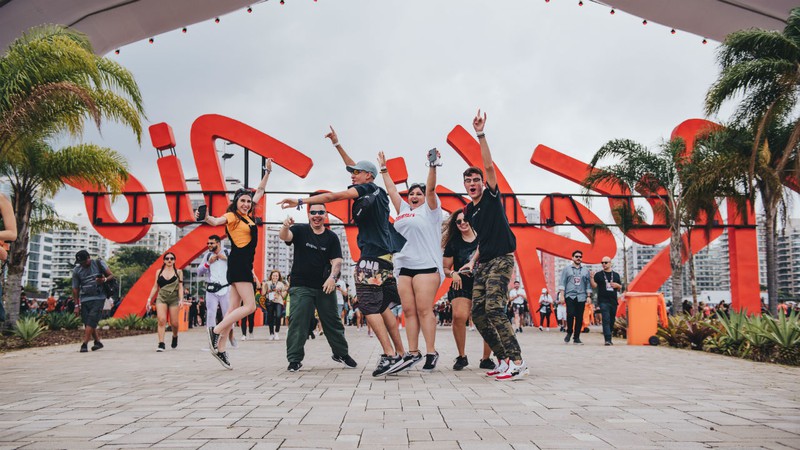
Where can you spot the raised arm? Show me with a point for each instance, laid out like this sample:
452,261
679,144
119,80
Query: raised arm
391,189
488,166
430,191
262,186
335,141
286,234
319,199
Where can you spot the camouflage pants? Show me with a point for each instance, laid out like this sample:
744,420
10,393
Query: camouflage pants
489,297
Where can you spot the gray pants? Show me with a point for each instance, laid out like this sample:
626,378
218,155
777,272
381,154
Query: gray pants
212,301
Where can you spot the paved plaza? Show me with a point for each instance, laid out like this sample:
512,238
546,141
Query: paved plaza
590,396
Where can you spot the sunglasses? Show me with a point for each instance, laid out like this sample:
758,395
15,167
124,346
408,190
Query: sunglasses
460,221
578,257
605,262
317,212
211,243
169,258
357,171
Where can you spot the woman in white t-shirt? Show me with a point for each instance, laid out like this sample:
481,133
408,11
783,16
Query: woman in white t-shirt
418,265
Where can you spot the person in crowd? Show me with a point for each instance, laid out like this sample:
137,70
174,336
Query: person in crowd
376,286
588,315
248,322
215,269
201,311
193,310
517,299
341,298
169,288
275,290
545,309
495,262
460,243
686,306
418,265
87,279
575,288
316,269
241,228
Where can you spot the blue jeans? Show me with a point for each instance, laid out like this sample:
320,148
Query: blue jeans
609,313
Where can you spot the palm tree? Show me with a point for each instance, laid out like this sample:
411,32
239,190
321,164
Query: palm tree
37,172
660,175
761,69
50,81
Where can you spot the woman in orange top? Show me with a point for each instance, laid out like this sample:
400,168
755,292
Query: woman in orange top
242,232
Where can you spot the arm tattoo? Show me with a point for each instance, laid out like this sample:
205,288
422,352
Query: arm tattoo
336,269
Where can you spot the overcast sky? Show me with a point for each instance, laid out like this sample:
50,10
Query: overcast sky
398,76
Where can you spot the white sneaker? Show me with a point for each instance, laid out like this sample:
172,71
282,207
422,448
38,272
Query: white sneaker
514,372
277,337
244,337
271,337
502,367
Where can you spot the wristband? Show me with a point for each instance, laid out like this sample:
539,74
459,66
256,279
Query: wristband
335,144
481,135
299,203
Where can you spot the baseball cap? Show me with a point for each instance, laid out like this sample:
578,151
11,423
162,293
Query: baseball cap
544,290
81,256
364,166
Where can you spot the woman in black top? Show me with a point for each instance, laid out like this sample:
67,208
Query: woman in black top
169,286
460,242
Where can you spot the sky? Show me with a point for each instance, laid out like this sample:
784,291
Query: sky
398,76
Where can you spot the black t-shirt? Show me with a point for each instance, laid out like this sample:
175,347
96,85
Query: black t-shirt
376,236
603,280
460,250
488,218
312,255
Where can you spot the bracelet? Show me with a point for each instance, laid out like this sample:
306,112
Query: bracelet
335,144
266,170
481,135
299,203
384,170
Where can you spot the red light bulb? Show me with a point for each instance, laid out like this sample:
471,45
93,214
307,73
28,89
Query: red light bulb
672,31
644,22
580,3
249,9
183,30
705,42
216,20
116,52
613,12
151,40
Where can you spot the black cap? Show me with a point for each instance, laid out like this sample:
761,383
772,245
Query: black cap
81,256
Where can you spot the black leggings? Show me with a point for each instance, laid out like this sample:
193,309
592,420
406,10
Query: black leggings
274,312
543,316
252,319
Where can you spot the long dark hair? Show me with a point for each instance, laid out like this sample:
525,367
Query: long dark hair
450,228
174,265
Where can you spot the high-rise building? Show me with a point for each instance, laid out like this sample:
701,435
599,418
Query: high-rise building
157,240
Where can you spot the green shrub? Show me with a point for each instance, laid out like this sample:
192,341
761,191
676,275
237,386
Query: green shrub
620,328
61,320
675,333
759,344
730,339
784,332
28,329
149,323
131,322
697,331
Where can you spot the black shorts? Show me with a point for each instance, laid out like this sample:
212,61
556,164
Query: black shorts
90,312
413,272
376,287
465,291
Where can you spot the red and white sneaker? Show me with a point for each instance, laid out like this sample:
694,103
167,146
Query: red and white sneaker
502,367
514,372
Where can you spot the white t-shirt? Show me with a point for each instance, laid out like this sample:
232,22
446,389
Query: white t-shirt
512,293
422,228
339,297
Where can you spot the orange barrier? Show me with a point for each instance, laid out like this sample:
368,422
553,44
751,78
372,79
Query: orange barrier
183,318
644,311
259,318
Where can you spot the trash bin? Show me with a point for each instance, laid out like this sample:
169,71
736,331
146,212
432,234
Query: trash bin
183,318
643,314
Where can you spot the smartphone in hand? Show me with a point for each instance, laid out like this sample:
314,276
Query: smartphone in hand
432,156
201,212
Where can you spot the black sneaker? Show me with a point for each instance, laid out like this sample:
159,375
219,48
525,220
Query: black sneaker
84,348
222,357
385,363
430,361
174,342
407,361
294,366
213,340
161,347
461,362
567,338
487,364
348,362
577,342
97,346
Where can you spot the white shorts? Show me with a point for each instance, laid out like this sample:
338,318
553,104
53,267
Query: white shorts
561,313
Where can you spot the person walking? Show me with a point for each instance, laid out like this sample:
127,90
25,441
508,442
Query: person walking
88,277
376,286
460,243
493,262
418,265
215,267
608,284
575,288
517,298
316,268
545,309
242,231
168,286
274,289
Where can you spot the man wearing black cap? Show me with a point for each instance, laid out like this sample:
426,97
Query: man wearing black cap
87,289
376,286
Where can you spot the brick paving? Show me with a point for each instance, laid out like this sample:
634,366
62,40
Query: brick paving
579,397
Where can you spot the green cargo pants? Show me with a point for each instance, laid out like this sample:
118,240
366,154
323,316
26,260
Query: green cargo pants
304,301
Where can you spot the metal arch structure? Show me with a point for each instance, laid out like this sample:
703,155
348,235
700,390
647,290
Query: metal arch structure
111,24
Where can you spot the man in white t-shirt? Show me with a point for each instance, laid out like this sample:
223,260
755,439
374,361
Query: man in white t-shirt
517,299
341,297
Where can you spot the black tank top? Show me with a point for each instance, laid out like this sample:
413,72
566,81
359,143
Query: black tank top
164,281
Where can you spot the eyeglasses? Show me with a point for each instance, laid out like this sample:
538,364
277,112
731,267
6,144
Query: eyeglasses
317,212
169,258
